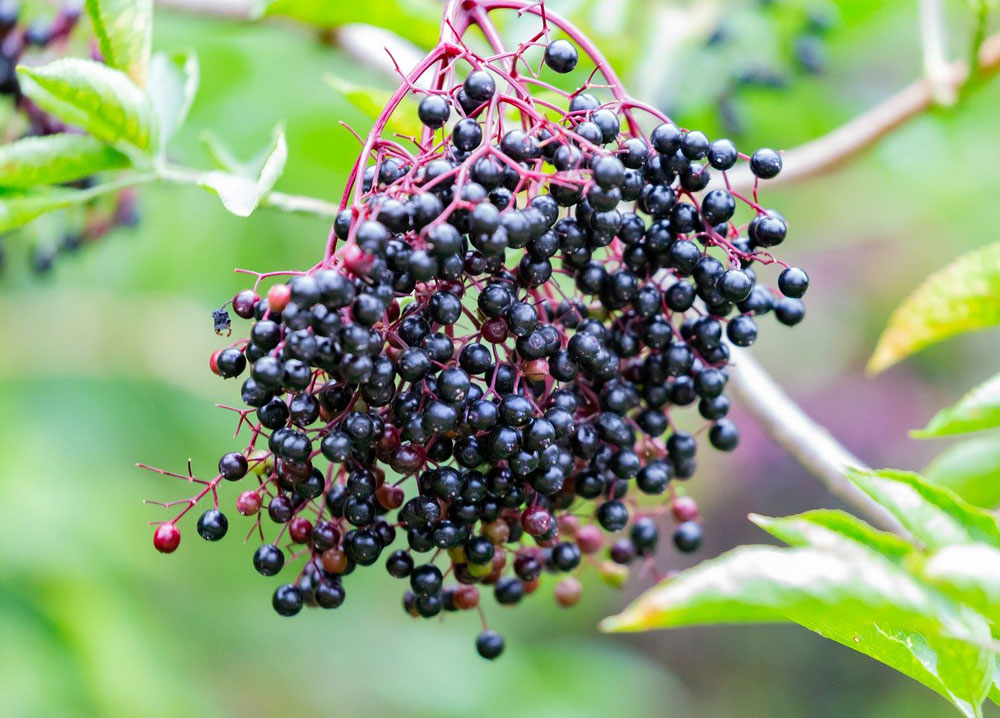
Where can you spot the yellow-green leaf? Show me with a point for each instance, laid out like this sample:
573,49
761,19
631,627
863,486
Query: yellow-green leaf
417,20
371,100
124,30
962,297
99,99
969,573
977,410
55,159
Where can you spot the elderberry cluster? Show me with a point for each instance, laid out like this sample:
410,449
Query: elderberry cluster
44,37
477,384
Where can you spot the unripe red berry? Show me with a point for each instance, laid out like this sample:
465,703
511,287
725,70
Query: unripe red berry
278,297
389,497
167,538
536,370
300,529
213,362
334,560
684,508
466,597
567,592
495,330
590,539
245,302
248,503
535,520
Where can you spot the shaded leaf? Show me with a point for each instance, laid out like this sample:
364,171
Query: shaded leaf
977,410
962,297
222,156
971,469
55,159
241,195
124,29
173,83
103,101
417,20
856,598
831,529
17,208
934,515
372,100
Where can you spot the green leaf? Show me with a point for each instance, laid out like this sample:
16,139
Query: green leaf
240,194
173,83
977,410
371,101
55,159
103,101
856,598
962,297
416,20
20,206
832,530
124,29
969,573
971,469
934,515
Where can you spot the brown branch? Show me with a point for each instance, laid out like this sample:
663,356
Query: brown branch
857,135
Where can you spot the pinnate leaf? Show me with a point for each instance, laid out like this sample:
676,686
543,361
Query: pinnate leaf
962,297
55,159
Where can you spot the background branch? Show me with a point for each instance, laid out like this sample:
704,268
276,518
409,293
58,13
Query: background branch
802,438
857,135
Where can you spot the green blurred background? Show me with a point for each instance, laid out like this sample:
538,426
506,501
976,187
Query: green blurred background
104,363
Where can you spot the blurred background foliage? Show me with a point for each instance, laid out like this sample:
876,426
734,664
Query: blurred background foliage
104,362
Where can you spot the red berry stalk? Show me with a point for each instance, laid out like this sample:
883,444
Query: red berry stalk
477,383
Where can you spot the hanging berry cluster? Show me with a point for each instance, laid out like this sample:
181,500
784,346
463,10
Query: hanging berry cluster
475,385
38,40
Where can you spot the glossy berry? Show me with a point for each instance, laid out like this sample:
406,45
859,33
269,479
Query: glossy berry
489,644
167,538
561,56
268,560
687,536
765,163
212,525
434,111
287,600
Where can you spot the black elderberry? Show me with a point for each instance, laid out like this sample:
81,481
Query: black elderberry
434,111
212,525
268,560
687,536
489,644
765,163
793,282
789,311
287,600
561,56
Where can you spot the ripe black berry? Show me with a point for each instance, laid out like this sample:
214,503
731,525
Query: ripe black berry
765,163
489,644
561,56
212,525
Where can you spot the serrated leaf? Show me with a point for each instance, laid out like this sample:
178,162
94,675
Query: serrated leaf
371,101
124,30
977,410
831,529
18,208
173,83
971,469
55,159
858,599
99,99
962,297
416,20
934,515
969,573
241,195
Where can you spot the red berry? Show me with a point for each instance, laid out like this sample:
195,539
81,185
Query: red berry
589,538
300,529
278,297
568,592
245,302
684,509
167,538
248,503
535,520
495,330
213,362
